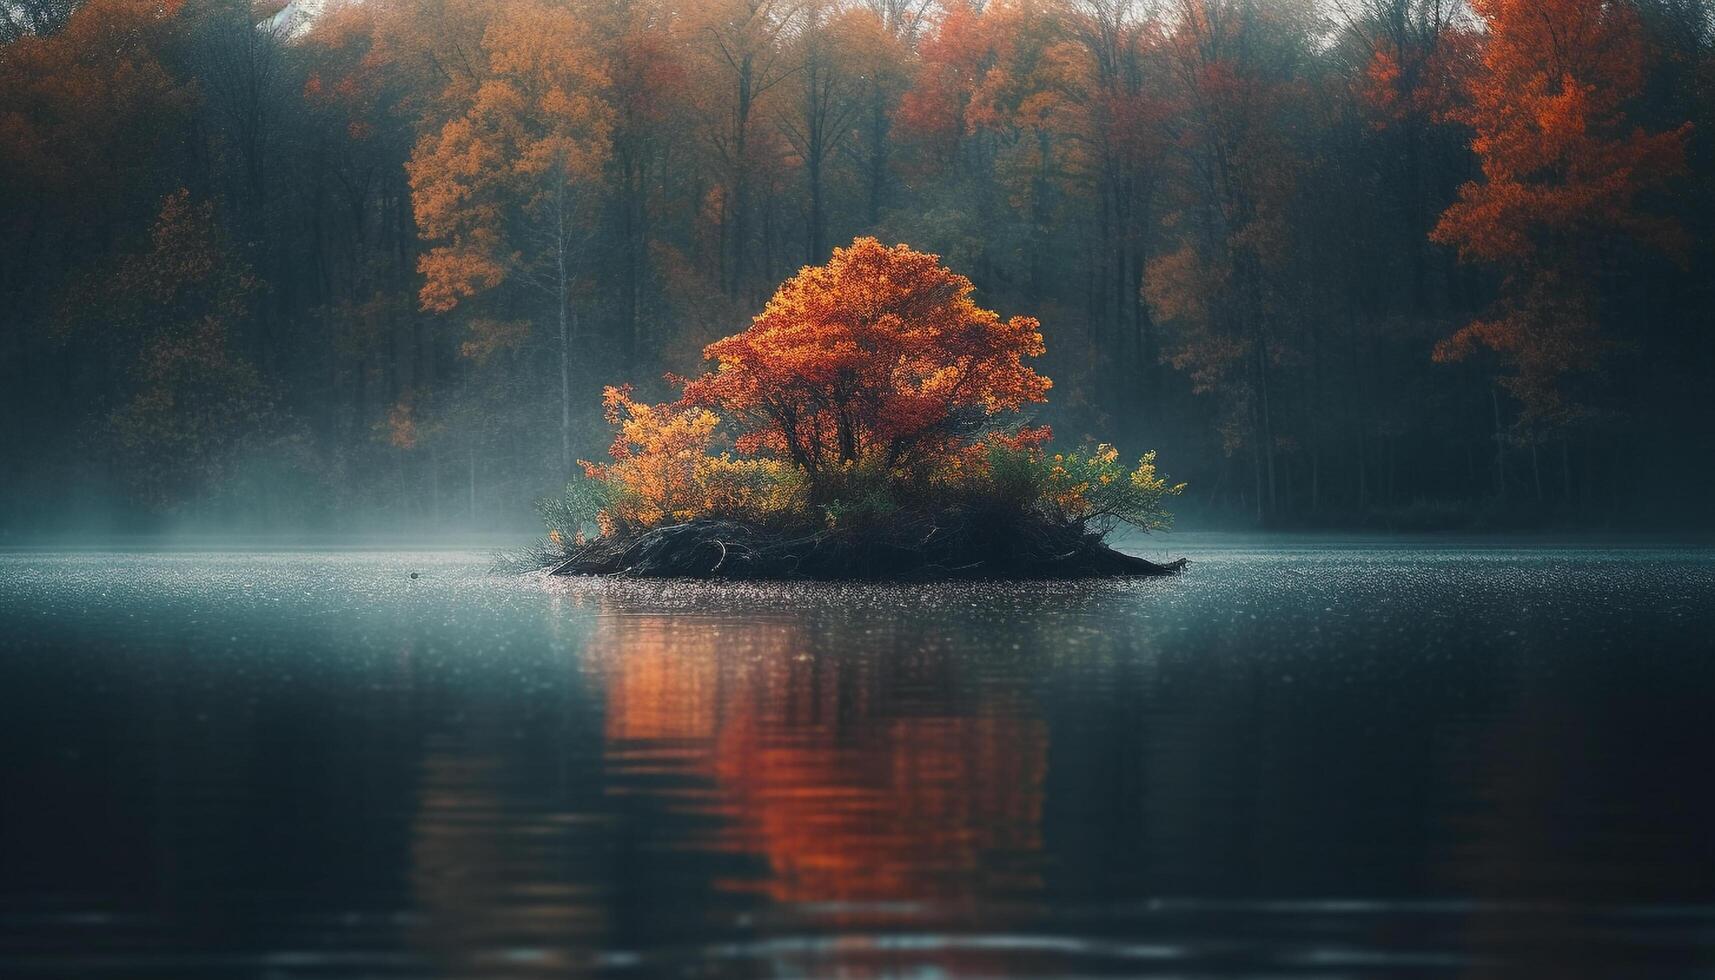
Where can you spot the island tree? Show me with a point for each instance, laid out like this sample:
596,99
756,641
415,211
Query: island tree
878,357
874,405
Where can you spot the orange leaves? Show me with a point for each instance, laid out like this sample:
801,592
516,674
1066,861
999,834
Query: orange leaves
541,47
876,363
655,430
490,337
1382,88
451,274
1548,108
445,171
1001,67
92,93
649,79
880,355
656,451
1417,69
170,310
401,427
951,62
1563,171
512,149
1180,284
662,470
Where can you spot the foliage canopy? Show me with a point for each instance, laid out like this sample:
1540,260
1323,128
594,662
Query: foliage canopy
879,357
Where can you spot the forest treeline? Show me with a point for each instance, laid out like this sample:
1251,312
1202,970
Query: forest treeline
1390,263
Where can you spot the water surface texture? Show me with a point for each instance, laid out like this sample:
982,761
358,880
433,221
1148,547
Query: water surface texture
1301,759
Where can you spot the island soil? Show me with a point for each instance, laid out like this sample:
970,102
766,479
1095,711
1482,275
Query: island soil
907,550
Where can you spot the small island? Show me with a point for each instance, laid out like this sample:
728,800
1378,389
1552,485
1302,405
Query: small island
867,425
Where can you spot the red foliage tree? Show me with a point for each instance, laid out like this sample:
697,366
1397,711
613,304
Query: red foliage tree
879,357
1563,171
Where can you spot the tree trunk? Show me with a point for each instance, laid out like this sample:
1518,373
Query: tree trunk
738,217
877,155
561,294
1500,444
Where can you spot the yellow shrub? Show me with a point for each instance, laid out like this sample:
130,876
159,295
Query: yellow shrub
753,489
656,452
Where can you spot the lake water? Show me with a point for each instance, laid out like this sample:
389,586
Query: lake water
1303,758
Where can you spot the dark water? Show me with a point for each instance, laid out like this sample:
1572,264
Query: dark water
1298,760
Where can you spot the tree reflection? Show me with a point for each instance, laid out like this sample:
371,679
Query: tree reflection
857,777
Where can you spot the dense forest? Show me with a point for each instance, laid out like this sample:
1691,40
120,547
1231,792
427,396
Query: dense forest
1381,263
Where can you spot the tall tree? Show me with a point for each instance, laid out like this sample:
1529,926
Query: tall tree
1223,288
651,95
1565,188
825,106
880,37
1118,115
500,185
169,313
741,42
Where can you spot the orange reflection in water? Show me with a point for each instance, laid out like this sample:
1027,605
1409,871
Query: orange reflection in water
857,777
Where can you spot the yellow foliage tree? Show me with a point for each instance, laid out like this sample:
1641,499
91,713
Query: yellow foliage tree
662,471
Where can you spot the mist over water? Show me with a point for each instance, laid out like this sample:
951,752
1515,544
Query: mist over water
312,313
1305,757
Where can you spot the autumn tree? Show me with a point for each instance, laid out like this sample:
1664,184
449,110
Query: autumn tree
650,89
89,103
880,358
92,117
1565,186
879,40
500,184
172,315
1223,288
868,398
240,67
951,61
742,55
356,120
1021,109
826,105
985,110
848,71
1116,114
1412,57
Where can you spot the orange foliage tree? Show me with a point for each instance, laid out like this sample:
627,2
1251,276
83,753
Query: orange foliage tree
492,185
1418,51
1224,292
951,62
662,470
870,391
1563,173
87,107
498,186
880,357
656,451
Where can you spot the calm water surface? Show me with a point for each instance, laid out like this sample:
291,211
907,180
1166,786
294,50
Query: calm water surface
1301,759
